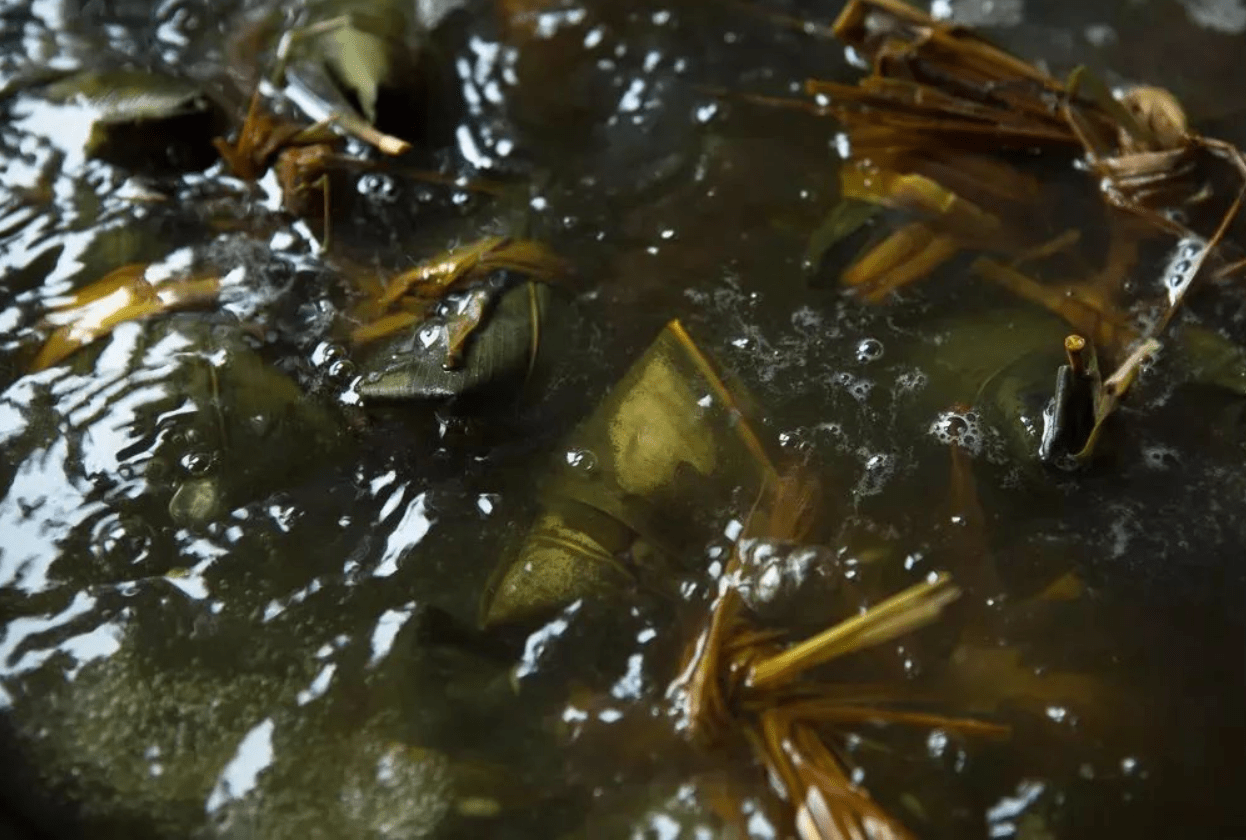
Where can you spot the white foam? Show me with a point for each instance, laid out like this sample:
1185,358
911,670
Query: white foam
962,428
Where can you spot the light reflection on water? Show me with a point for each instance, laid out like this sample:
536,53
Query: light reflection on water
20,651
254,755
387,628
281,665
410,529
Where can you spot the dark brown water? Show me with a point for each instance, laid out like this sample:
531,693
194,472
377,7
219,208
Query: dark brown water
305,662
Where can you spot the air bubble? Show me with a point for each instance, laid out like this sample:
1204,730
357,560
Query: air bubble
797,440
1067,462
378,186
197,463
124,540
341,370
582,460
869,350
326,353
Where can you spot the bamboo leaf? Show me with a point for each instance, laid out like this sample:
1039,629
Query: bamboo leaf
915,607
1113,390
123,294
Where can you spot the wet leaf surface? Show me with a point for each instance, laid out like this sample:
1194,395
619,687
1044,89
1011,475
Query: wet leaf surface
241,596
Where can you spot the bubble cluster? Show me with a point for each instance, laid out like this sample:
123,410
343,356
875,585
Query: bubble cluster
858,387
833,430
962,428
879,467
783,579
911,381
378,186
1181,269
1160,457
861,389
800,439
332,362
773,569
807,319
